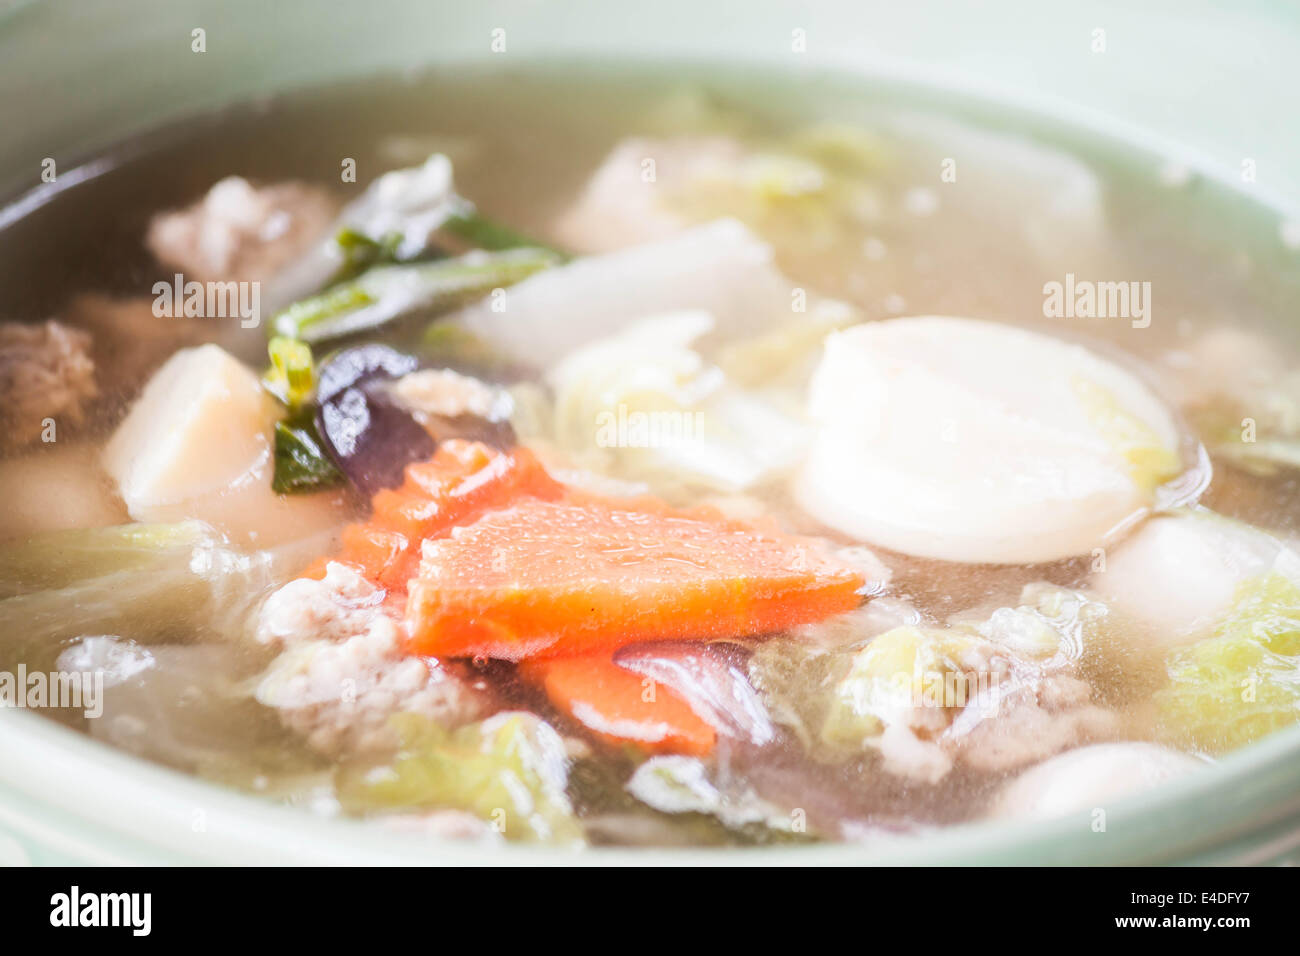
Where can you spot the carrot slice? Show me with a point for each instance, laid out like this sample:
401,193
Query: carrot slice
621,707
374,551
564,578
462,480
503,561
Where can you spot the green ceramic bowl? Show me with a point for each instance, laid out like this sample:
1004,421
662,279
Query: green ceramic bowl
1201,83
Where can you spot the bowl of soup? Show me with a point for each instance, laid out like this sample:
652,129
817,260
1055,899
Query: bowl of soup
456,438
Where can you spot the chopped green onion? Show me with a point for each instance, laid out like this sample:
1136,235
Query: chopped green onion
317,309
291,376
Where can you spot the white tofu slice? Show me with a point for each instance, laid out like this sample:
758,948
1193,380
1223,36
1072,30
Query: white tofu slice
1089,777
54,488
1178,574
198,444
720,268
972,441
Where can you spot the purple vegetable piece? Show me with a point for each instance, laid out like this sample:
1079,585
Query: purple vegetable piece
356,366
368,437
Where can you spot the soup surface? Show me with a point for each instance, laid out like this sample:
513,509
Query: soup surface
594,457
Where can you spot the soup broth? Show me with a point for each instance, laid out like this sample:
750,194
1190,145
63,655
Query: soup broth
730,541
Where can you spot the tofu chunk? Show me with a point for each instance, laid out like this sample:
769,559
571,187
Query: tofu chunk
198,444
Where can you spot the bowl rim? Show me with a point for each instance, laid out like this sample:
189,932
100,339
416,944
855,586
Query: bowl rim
97,803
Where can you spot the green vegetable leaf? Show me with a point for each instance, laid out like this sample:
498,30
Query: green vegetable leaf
361,252
337,300
509,770
147,580
301,464
684,785
484,233
57,559
388,293
1243,680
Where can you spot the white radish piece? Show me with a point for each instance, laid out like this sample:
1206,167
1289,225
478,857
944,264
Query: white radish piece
720,268
198,444
972,441
1089,777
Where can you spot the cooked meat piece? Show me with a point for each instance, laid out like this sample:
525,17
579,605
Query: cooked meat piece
343,672
450,405
333,609
447,394
45,372
983,705
908,755
1034,721
241,231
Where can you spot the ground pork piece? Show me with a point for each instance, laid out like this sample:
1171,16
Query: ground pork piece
449,394
1016,711
45,372
907,754
1033,721
343,672
333,609
241,231
451,405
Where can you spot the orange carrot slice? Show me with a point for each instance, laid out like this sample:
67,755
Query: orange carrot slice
516,565
462,480
564,578
621,707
